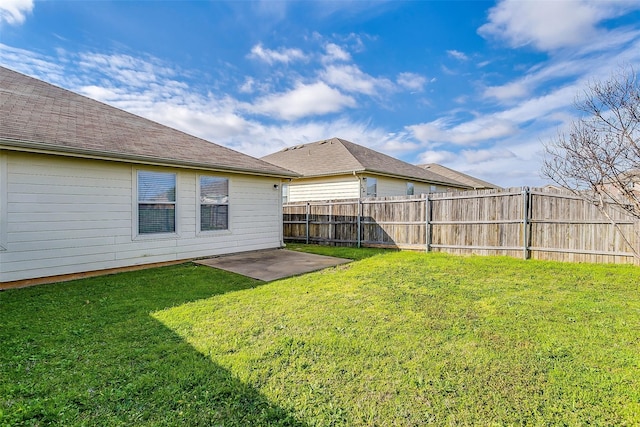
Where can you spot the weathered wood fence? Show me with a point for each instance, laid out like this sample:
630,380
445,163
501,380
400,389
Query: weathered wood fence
519,222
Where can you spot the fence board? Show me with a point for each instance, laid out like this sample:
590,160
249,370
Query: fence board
519,222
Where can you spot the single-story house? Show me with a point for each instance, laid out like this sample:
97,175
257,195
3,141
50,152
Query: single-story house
338,169
88,187
472,181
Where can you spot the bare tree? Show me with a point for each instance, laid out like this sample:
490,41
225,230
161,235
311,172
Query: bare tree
599,158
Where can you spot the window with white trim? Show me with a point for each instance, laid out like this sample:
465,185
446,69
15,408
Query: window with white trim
372,187
285,193
214,203
156,202
410,189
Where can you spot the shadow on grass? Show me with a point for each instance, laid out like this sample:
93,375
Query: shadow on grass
88,352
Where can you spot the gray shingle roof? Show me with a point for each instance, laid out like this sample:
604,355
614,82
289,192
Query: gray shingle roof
336,156
458,176
35,115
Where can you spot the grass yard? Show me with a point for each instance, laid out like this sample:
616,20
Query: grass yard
395,338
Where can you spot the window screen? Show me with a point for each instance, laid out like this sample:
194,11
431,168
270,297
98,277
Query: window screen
410,189
214,203
372,187
156,202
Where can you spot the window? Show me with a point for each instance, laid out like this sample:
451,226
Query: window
433,189
372,187
410,189
214,203
156,202
285,193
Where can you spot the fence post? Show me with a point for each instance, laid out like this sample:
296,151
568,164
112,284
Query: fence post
525,222
427,223
359,222
330,221
307,222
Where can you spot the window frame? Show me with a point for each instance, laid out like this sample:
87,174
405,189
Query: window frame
366,186
411,189
285,193
136,205
199,204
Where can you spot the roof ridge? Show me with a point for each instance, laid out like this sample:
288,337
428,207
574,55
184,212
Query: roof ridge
349,146
457,175
318,158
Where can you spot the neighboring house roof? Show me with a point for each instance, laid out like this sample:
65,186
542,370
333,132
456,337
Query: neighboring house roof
459,176
336,156
37,116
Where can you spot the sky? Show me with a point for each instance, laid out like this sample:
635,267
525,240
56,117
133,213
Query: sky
477,86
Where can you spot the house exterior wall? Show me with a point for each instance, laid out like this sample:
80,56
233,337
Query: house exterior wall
327,188
398,187
353,187
61,215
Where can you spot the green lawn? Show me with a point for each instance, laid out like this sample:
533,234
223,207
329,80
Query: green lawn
394,338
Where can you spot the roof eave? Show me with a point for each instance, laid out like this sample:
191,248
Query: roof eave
386,174
413,178
43,148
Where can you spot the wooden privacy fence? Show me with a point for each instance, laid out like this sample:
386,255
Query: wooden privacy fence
519,222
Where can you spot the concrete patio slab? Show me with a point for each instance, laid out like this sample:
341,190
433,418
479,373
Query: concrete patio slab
272,264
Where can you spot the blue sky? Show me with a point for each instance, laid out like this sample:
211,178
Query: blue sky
478,86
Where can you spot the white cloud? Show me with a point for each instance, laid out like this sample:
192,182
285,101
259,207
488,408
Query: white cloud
281,55
248,86
32,64
303,101
457,55
432,156
472,157
128,70
274,137
551,25
574,71
505,165
99,93
412,81
351,79
471,132
335,53
14,12
511,90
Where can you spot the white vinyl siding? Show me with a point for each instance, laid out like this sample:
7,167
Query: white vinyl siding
352,187
391,187
398,187
3,202
72,215
334,188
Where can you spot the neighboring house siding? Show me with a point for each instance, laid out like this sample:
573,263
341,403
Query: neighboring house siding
391,187
352,187
398,187
72,215
421,188
333,188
